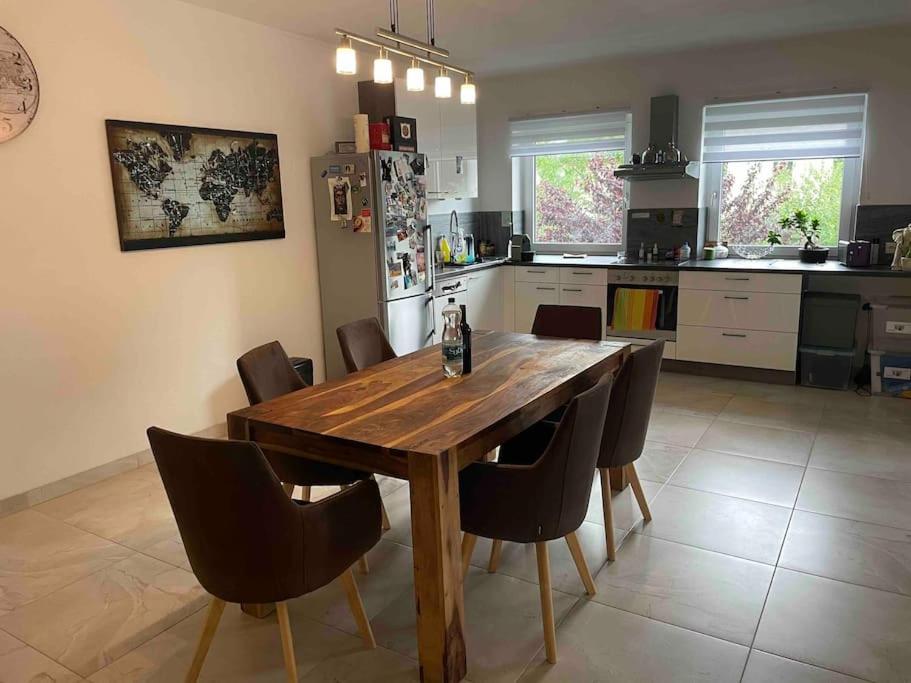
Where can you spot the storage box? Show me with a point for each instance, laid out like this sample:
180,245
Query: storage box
890,374
829,320
826,368
890,327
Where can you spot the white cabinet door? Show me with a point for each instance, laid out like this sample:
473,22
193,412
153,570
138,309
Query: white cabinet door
485,301
529,295
746,348
424,108
740,310
459,149
594,296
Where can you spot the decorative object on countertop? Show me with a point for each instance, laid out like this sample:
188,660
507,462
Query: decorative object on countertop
361,134
230,185
754,252
902,258
855,253
19,95
800,221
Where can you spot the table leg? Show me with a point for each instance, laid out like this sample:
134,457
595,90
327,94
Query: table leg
435,528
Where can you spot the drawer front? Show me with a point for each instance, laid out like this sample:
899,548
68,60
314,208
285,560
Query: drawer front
583,276
586,295
742,282
740,310
536,274
744,348
529,295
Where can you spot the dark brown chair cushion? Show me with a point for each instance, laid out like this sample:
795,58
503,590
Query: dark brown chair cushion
568,322
548,498
363,344
245,539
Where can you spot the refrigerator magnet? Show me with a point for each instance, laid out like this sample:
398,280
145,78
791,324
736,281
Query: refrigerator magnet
363,222
349,169
420,209
339,198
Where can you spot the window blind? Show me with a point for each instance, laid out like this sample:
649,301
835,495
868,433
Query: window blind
798,128
573,133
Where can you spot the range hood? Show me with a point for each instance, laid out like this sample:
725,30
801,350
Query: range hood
662,132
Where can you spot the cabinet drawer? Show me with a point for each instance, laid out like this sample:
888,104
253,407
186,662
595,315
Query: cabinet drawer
536,274
529,296
583,276
586,295
785,283
741,310
745,348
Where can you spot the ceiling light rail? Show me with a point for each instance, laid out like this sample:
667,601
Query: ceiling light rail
401,51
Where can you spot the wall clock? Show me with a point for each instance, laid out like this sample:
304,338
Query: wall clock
18,87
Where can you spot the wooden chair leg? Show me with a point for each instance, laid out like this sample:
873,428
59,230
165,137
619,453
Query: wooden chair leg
608,514
386,525
494,561
284,627
638,492
576,551
468,543
547,602
362,565
357,608
216,607
289,488
305,494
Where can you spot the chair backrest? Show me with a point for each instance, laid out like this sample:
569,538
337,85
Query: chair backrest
363,344
568,322
244,537
267,373
631,406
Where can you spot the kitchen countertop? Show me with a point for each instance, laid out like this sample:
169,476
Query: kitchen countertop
448,271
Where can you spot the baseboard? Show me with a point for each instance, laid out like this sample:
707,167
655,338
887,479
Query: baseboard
74,482
730,371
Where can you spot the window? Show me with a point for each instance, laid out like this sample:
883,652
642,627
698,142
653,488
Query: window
764,160
563,172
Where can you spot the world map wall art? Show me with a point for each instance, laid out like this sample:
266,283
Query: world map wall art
176,186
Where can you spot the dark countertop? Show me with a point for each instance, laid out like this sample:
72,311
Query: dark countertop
447,271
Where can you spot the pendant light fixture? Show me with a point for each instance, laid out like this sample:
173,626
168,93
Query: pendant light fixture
382,68
414,77
345,58
417,51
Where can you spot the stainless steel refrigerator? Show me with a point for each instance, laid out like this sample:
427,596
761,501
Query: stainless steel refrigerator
373,247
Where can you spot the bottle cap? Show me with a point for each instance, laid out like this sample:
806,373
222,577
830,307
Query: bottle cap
452,299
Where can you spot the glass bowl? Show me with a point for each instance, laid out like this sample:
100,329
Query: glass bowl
752,251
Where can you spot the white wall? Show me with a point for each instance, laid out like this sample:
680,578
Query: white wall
874,61
97,345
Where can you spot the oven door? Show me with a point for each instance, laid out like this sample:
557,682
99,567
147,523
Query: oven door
630,313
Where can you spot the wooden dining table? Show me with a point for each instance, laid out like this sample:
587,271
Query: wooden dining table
404,419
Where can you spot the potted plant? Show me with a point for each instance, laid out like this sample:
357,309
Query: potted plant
800,222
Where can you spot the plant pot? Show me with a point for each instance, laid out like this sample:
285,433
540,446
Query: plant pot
813,255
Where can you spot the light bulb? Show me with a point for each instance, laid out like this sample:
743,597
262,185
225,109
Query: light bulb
382,68
468,94
414,77
442,85
345,58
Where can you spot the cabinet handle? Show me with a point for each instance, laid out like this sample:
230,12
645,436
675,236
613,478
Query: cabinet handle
582,272
730,334
567,289
738,298
738,279
537,272
546,289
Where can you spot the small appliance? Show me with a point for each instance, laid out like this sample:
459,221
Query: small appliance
855,253
519,245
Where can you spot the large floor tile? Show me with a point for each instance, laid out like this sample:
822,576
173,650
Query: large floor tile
743,528
715,385
19,662
131,509
856,552
851,629
623,504
703,591
398,509
765,668
853,426
244,649
865,499
368,666
599,643
39,554
772,413
768,443
734,475
503,629
791,394
676,429
690,401
862,456
659,460
880,409
90,623
170,550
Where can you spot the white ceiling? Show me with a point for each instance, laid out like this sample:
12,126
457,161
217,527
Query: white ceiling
495,36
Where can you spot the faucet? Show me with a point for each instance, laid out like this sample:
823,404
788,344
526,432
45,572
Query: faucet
453,216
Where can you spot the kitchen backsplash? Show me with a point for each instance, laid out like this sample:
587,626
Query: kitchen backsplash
879,221
484,226
668,228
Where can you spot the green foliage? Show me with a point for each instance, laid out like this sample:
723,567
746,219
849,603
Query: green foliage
798,222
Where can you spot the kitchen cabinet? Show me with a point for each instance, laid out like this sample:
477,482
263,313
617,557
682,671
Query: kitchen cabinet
593,296
485,302
733,346
438,304
530,295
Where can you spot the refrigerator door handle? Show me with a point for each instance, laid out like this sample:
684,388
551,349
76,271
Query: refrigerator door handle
429,257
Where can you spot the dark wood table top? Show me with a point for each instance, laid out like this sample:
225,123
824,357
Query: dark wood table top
406,405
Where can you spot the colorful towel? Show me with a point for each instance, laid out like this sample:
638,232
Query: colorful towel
635,309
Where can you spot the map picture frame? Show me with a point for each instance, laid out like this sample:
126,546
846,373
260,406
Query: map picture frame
178,186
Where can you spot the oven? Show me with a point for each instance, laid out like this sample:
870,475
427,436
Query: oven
642,304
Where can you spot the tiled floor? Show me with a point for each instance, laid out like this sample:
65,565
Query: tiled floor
780,550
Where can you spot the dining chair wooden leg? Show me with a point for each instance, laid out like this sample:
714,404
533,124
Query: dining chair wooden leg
575,549
288,488
357,608
494,561
362,565
386,525
468,543
638,492
305,494
608,514
547,602
284,627
216,608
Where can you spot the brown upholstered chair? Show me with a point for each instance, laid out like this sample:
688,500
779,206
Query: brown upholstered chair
363,344
248,542
568,322
626,426
541,501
